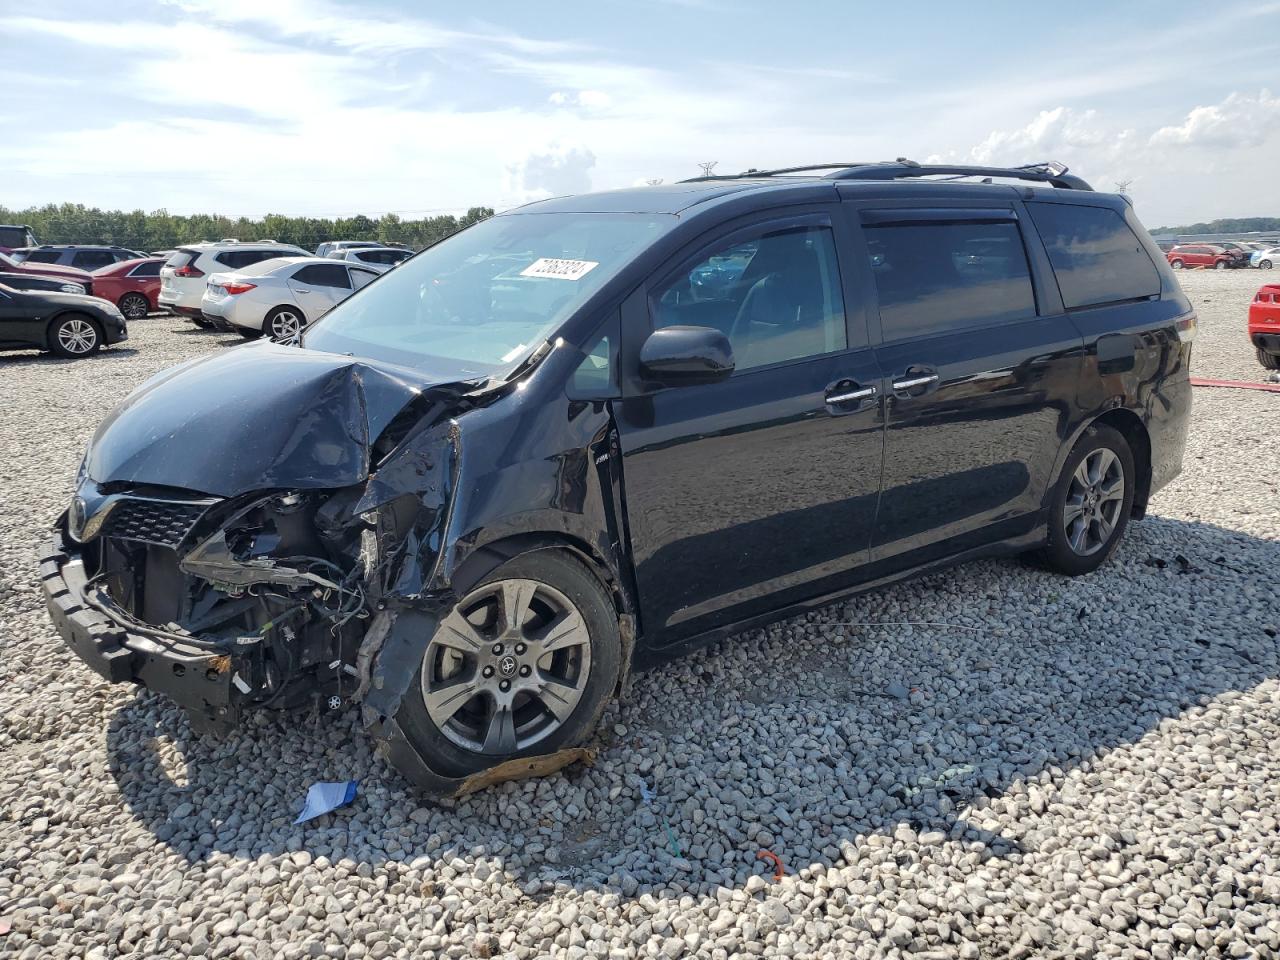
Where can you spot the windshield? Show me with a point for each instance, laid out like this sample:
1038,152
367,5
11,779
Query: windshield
480,301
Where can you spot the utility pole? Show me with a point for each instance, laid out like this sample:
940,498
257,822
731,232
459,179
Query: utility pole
654,182
1122,186
707,167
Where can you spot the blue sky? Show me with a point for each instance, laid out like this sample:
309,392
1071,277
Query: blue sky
324,108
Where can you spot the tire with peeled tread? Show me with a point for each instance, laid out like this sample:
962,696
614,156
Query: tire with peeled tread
1056,554
565,573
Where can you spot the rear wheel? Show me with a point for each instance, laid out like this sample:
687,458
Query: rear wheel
74,335
1176,264
134,306
1268,360
1264,264
284,323
522,666
1091,503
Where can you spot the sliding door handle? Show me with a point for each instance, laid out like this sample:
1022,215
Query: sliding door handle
914,383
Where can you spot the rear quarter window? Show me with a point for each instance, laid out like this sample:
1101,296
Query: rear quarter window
1095,255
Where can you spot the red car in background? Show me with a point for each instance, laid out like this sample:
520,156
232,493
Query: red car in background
1199,255
132,285
1264,325
82,277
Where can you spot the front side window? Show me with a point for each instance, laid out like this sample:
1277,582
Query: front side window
938,277
777,297
480,301
1096,257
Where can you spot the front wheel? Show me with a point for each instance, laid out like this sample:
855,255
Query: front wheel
202,323
1269,361
1176,264
134,306
74,335
284,324
1091,503
1220,265
1264,264
522,666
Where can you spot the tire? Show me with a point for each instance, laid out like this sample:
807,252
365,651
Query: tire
464,734
1269,361
1067,551
75,335
284,323
134,306
1264,264
1176,264
1220,265
202,323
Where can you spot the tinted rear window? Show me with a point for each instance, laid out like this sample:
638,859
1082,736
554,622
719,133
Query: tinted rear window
180,258
151,269
1096,257
936,277
42,256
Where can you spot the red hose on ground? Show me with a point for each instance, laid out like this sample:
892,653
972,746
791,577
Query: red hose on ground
1237,384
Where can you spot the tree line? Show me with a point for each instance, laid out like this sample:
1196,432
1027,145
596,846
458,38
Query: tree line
161,230
1228,225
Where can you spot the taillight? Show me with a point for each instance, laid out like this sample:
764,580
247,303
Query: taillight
238,287
188,271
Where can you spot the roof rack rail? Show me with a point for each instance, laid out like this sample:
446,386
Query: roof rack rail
1051,172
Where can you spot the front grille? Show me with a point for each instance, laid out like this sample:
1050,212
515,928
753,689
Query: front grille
161,522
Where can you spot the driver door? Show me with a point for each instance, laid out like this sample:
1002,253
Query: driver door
760,490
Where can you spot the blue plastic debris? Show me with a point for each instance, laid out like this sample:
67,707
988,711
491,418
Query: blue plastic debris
649,796
324,798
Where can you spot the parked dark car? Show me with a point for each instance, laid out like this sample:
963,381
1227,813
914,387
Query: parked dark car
67,324
546,450
14,235
79,256
52,271
30,281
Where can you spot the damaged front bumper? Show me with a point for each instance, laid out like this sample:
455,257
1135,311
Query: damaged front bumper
196,678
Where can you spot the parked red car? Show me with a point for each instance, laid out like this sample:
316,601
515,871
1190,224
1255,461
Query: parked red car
1199,255
132,285
82,277
1264,325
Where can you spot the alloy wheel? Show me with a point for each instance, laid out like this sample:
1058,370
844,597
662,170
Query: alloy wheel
285,325
1094,502
77,336
507,667
134,306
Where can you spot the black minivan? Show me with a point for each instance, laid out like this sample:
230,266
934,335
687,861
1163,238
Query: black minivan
590,433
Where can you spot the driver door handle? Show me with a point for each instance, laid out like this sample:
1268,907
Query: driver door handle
300,290
848,396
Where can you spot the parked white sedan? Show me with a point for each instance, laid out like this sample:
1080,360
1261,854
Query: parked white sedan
280,297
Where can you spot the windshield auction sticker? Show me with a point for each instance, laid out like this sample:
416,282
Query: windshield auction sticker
559,269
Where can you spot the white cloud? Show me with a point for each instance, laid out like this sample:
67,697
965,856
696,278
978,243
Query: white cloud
1237,121
555,171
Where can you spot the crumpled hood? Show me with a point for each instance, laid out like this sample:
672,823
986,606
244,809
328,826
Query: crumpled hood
255,417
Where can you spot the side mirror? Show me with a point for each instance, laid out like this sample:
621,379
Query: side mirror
684,356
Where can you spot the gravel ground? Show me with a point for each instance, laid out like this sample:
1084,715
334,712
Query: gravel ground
991,762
